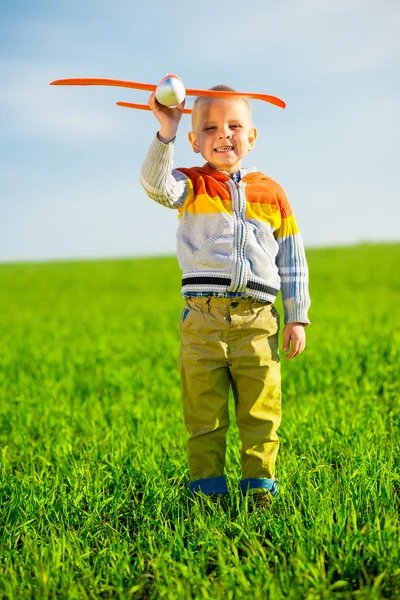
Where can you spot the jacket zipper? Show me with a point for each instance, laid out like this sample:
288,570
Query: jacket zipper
238,282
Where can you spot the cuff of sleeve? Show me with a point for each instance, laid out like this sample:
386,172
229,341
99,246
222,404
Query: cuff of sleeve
159,159
295,313
165,143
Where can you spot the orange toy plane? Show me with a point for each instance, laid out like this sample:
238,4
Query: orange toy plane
152,88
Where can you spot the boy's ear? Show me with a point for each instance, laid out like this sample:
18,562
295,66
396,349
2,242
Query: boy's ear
193,139
252,137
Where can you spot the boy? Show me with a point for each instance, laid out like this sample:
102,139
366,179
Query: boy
238,244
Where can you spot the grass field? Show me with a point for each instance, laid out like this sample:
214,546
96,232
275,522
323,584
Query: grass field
93,466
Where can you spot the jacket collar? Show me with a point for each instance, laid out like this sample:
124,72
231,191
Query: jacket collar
248,175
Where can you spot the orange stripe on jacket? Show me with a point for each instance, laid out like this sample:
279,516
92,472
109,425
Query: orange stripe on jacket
203,203
262,201
288,224
265,199
209,194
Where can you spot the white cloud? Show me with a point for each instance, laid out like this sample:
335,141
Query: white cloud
33,108
347,36
314,37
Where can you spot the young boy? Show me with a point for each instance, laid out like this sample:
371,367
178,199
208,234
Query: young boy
238,244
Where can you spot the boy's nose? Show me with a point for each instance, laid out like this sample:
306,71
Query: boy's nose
224,133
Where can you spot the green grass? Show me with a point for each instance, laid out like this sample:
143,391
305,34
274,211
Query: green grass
93,466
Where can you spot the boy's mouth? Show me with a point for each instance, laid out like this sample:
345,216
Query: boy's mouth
224,149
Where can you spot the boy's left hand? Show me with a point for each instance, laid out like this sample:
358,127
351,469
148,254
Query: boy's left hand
294,333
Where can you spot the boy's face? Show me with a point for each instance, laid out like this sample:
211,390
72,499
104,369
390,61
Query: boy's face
223,133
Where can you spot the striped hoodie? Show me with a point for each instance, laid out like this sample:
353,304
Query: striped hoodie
232,237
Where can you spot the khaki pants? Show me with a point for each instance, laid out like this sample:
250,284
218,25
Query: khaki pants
230,342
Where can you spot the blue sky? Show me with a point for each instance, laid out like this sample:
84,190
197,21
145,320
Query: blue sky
70,158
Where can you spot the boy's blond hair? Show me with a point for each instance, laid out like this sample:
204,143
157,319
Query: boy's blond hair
203,100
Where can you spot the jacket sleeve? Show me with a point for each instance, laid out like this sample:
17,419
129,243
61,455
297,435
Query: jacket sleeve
292,266
161,182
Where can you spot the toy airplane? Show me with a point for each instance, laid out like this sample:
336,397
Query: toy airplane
169,87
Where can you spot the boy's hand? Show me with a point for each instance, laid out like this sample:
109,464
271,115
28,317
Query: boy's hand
294,332
168,118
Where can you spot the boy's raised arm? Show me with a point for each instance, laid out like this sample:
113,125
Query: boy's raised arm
160,181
